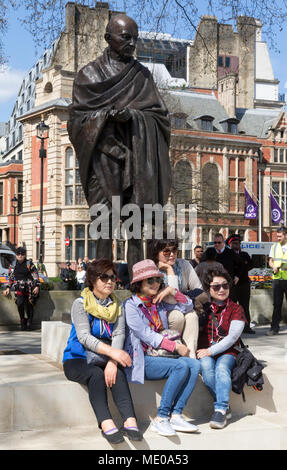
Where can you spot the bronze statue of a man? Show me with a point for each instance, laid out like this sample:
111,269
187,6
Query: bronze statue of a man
120,130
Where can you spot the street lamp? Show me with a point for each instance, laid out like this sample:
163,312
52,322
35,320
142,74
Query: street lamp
14,202
42,134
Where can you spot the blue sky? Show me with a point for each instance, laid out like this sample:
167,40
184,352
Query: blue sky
22,54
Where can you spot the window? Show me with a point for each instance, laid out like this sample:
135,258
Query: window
1,198
232,128
236,184
80,241
210,187
206,125
227,62
73,189
220,61
280,194
177,121
20,195
7,260
69,234
182,183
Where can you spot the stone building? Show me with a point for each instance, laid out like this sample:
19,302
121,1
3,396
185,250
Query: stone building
237,62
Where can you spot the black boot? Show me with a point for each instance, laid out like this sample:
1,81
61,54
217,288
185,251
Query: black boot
23,323
29,322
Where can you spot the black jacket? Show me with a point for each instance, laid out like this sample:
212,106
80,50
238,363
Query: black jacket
246,266
231,262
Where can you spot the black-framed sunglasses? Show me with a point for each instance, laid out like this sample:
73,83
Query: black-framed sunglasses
152,280
217,287
168,251
217,243
108,277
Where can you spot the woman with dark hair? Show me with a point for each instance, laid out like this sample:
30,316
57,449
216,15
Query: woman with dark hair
146,317
179,274
94,355
217,342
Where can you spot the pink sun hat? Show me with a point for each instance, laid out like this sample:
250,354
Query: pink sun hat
145,269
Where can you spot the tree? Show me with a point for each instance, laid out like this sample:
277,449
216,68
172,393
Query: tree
45,18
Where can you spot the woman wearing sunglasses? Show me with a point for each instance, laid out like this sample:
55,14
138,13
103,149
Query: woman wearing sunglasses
216,343
146,316
94,355
180,274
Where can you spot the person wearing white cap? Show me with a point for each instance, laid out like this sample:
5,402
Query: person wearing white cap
146,316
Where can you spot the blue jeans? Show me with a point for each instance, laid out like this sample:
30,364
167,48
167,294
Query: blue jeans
216,374
181,375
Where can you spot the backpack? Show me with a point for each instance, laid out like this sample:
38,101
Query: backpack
247,370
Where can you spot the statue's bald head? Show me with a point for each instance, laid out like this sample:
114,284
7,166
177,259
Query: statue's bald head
120,20
121,35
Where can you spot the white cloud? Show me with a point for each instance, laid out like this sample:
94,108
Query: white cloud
285,85
10,82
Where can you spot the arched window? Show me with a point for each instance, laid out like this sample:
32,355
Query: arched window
182,183
210,187
48,87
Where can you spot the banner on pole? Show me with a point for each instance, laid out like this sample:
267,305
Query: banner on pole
276,211
250,206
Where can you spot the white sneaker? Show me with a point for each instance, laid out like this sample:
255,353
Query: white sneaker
162,426
179,423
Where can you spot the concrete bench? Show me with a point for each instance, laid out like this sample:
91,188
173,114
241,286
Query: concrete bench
147,397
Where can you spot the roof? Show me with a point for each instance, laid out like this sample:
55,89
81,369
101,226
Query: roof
194,105
253,122
257,121
58,102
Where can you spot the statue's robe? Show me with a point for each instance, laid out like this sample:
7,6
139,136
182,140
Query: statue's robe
129,159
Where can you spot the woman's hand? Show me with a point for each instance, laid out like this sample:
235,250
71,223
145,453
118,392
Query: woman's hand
6,292
164,293
182,350
110,373
120,356
36,291
166,267
200,353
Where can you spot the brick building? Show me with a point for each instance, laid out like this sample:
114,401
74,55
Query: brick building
220,143
11,174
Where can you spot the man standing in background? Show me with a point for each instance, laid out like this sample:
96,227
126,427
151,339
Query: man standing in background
242,289
278,262
198,252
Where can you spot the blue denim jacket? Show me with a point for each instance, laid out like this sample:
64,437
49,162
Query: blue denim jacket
138,331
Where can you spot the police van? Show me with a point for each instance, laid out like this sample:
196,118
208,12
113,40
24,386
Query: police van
7,257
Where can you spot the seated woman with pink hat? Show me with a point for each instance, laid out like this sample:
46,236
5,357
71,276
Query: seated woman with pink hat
146,317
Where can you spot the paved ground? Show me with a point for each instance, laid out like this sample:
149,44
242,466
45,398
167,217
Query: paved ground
265,431
29,342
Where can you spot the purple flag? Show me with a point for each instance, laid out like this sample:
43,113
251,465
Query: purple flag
250,207
276,212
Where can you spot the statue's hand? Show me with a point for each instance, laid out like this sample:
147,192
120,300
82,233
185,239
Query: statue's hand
120,115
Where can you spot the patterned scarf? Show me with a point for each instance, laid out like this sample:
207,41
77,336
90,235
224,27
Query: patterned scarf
156,323
177,272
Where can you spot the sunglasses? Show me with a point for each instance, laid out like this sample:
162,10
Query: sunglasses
152,280
218,243
217,287
108,277
168,251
